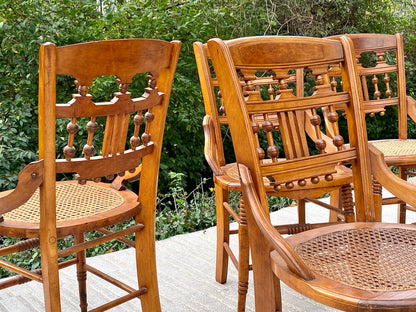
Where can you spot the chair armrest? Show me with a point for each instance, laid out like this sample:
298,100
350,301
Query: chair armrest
277,242
30,178
119,183
210,150
395,185
411,107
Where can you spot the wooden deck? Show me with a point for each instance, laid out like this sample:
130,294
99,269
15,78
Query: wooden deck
186,268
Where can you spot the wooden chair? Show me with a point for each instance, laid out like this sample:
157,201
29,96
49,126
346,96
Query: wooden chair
42,210
226,177
351,266
383,86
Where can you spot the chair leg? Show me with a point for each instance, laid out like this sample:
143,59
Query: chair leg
244,258
146,266
223,234
81,273
301,211
401,213
50,274
378,200
335,200
348,203
266,290
278,294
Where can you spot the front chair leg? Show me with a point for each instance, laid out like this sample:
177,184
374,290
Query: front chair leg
243,258
81,273
223,234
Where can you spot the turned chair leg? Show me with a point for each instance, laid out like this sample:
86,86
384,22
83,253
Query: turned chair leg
243,258
81,273
378,200
223,234
347,203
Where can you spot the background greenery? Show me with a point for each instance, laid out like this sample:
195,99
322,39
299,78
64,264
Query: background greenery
185,194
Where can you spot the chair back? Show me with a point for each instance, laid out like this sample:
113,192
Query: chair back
112,137
240,61
380,64
214,106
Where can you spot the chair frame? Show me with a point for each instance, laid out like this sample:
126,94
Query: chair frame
275,258
157,58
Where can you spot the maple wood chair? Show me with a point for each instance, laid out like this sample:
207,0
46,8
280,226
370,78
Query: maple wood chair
226,177
60,209
351,266
383,84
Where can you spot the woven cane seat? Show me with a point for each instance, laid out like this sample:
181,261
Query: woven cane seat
371,258
396,147
75,204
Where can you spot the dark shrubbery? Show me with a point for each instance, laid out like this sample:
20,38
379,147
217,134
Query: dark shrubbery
186,203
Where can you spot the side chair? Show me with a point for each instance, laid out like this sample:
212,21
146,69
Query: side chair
120,137
358,266
226,177
380,64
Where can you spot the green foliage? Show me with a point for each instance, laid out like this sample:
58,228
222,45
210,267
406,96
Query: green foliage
182,206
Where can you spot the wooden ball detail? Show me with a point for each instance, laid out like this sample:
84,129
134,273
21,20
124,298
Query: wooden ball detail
374,80
96,180
277,188
315,120
260,153
382,113
319,80
255,126
389,93
315,180
69,151
267,126
88,150
138,120
338,140
333,117
386,79
134,141
149,117
72,128
273,151
146,137
329,177
377,94
302,182
320,144
289,185
92,126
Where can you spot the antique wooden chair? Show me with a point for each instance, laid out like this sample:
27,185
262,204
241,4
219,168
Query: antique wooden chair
226,177
42,210
351,266
380,60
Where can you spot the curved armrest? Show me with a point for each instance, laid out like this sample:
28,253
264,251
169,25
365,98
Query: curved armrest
120,183
294,263
395,185
30,178
411,107
210,150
